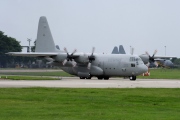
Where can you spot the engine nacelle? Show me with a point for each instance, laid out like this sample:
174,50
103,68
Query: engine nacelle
60,57
145,58
83,58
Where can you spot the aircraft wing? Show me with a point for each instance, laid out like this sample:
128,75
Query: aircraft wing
32,54
158,59
164,57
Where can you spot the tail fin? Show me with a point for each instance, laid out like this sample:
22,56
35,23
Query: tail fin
115,50
44,42
121,50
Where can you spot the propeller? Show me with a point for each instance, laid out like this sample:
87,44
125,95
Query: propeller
151,58
91,58
69,57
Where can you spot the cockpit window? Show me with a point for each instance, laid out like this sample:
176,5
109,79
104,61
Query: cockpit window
133,59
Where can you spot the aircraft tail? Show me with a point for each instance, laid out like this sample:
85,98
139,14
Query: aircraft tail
121,50
115,50
44,42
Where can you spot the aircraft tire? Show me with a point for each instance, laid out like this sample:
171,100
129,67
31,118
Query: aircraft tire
88,77
132,78
100,78
106,78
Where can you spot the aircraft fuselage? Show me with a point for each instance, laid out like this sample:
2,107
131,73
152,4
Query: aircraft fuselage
106,65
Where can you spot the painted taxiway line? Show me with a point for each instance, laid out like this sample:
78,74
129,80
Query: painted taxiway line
94,83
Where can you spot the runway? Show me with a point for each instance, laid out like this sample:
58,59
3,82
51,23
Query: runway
74,82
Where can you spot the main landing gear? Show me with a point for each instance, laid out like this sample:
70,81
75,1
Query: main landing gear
133,78
85,77
101,77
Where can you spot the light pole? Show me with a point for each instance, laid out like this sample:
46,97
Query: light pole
165,50
29,40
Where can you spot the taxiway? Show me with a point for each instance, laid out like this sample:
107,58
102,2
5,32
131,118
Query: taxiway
74,82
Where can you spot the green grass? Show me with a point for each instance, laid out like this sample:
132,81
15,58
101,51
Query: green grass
28,78
89,104
59,73
154,74
163,74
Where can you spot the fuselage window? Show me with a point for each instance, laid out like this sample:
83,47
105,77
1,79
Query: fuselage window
132,65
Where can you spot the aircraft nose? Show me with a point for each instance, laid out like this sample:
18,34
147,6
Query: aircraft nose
144,68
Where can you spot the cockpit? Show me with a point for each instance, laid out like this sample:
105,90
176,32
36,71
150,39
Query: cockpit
135,61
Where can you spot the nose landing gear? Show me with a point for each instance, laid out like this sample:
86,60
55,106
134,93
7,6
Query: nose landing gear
133,78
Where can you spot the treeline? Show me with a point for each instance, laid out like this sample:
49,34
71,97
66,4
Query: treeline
176,61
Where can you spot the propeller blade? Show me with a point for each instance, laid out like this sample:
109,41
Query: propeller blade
65,50
73,51
64,62
73,63
93,49
154,53
147,53
156,64
89,65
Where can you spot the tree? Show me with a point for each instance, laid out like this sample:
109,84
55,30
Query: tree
8,44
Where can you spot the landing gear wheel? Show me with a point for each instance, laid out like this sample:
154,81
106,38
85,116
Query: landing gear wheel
88,77
106,78
82,77
100,78
133,78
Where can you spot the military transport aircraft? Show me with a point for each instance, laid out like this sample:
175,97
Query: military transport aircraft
154,60
84,65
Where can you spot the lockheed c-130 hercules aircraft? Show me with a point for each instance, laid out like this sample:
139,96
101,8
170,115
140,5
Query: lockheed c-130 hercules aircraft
84,65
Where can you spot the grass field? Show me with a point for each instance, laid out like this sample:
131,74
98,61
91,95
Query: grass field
89,104
163,74
59,73
28,78
154,74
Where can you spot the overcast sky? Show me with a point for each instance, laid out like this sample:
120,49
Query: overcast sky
144,24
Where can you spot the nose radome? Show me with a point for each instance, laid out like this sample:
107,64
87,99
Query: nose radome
144,68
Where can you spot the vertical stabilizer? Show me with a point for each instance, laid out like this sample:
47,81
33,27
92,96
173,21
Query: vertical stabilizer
121,50
115,50
44,42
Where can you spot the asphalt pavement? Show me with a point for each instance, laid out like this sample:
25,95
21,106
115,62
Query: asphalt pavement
74,82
